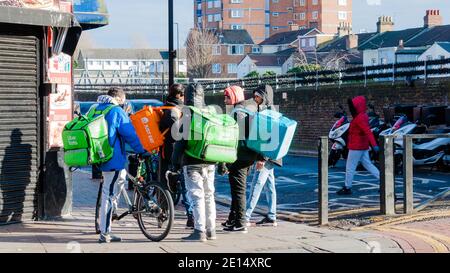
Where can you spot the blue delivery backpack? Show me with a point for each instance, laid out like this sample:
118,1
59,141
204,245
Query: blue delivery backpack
270,133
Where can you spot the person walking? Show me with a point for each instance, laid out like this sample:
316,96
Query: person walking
169,118
239,170
264,175
359,139
120,131
198,174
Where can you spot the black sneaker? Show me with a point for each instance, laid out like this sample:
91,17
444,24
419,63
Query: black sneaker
228,223
239,229
190,222
266,221
344,191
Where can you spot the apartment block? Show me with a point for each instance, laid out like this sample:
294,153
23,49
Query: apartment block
263,18
234,15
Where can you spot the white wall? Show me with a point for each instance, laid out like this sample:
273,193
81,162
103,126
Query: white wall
435,51
388,54
273,48
405,58
130,64
245,66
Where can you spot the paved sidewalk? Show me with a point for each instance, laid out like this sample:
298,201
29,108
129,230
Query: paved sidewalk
76,234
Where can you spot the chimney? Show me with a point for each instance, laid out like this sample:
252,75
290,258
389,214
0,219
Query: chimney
385,23
401,44
344,29
432,18
293,27
351,42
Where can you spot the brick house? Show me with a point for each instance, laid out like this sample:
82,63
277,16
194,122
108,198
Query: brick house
233,46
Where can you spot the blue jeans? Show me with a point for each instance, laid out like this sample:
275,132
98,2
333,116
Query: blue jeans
264,177
186,202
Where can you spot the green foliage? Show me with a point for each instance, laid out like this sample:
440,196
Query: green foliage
305,68
253,74
269,73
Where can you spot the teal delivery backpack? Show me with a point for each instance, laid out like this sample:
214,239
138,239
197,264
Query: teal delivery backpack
271,134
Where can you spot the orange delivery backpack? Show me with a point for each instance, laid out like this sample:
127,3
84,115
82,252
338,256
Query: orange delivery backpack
146,124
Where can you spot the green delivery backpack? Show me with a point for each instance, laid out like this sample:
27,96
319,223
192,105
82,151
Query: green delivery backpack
212,137
85,139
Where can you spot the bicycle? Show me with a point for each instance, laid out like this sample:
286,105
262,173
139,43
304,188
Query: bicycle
152,204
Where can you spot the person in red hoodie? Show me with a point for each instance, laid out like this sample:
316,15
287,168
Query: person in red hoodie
359,138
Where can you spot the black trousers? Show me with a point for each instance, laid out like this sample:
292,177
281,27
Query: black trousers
237,176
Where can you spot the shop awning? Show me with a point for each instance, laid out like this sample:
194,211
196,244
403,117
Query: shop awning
90,13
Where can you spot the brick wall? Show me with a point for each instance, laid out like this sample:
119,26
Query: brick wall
315,109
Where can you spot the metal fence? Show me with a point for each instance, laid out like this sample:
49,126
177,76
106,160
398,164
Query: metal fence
365,74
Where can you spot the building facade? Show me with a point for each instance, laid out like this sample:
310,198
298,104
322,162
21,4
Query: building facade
263,18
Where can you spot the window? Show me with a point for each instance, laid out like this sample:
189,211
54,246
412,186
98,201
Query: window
383,61
116,63
342,2
236,13
217,17
232,68
236,27
199,6
275,28
275,14
342,15
91,63
256,49
302,3
315,2
275,1
210,18
108,63
236,1
300,16
374,61
312,42
290,23
210,4
216,69
429,57
303,42
290,9
217,4
441,57
235,50
315,15
217,50
199,19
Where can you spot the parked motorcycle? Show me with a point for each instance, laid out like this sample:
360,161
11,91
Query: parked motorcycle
338,136
426,152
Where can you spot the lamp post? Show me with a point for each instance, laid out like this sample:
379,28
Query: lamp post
178,50
171,51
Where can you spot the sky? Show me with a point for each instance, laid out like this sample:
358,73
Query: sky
143,23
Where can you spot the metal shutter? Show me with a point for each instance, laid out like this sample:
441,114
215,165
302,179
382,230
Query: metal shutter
18,128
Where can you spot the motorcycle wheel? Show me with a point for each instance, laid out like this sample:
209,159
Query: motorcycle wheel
334,157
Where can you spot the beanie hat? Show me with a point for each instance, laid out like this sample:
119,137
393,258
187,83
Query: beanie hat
236,94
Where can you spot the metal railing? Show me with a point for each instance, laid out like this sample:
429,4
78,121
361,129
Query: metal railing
363,74
387,175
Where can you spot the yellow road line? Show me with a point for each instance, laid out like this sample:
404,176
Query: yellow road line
437,246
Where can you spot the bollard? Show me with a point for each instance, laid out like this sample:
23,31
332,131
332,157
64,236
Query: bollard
408,201
387,178
323,181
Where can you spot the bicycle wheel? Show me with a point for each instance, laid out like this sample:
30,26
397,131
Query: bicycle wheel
155,212
97,209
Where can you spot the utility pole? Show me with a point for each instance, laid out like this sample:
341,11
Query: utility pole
172,53
178,50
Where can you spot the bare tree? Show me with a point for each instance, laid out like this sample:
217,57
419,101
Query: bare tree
199,51
336,60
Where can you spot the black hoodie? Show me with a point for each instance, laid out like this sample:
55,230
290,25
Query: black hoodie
266,91
194,96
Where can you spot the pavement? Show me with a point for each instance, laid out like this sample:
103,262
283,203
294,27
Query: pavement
426,231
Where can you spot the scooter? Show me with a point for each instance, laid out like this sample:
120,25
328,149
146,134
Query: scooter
377,125
428,152
338,136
